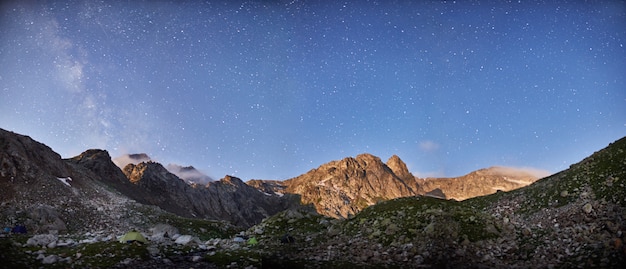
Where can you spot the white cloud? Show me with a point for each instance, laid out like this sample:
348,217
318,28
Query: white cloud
189,173
126,159
520,171
428,145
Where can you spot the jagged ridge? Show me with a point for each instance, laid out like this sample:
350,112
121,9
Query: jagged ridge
343,188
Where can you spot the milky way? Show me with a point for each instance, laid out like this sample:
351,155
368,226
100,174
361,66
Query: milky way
269,90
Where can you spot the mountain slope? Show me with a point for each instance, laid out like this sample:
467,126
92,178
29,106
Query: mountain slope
89,189
572,219
44,192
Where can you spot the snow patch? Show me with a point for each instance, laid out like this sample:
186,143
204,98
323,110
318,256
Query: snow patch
274,193
521,182
65,180
323,181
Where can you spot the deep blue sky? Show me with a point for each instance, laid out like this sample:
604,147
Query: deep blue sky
272,89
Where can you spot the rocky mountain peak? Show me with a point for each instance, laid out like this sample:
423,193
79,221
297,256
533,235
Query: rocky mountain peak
366,158
149,171
228,199
399,167
100,161
22,157
231,180
342,188
93,153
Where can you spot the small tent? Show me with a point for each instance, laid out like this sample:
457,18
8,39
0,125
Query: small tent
252,241
19,229
133,236
287,239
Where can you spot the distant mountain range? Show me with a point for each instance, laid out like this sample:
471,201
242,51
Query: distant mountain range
337,189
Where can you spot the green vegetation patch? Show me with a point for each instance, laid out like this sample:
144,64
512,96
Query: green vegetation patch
13,256
96,255
107,254
243,258
295,223
203,229
409,219
600,176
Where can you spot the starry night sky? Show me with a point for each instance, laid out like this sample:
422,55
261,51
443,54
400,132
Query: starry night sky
272,89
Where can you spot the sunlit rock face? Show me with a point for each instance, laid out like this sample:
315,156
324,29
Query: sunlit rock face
478,183
343,188
399,168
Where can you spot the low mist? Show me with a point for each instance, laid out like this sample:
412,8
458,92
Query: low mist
186,173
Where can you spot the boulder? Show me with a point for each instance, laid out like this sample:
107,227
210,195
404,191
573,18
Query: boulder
46,218
41,240
184,239
587,208
50,259
164,229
